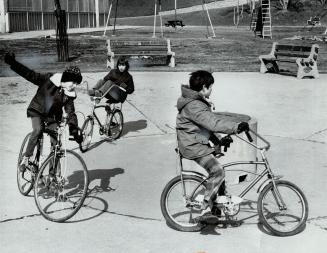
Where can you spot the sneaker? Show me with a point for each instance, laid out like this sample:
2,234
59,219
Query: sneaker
207,217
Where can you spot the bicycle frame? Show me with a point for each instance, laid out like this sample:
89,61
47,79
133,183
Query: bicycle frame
107,107
55,134
264,162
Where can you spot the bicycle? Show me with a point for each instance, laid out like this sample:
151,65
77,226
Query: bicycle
113,124
282,206
60,181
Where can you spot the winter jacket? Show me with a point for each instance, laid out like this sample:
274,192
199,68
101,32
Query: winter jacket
196,123
50,98
123,79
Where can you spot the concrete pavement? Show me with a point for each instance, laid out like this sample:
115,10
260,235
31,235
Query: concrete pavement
291,114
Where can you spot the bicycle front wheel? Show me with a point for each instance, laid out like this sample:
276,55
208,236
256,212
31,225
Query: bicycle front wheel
284,211
115,124
61,186
25,180
87,132
181,211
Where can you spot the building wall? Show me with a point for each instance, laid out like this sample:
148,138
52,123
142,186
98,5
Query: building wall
26,15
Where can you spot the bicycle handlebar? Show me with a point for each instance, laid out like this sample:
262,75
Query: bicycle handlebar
248,136
250,140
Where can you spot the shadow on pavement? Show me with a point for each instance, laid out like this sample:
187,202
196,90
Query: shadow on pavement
99,180
97,144
104,175
134,126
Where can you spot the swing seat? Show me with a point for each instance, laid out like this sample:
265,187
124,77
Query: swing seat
174,23
314,21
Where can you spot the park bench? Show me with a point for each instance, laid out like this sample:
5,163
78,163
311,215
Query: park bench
304,56
314,21
174,23
139,47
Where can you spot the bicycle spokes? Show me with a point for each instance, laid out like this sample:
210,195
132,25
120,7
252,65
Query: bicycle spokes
61,186
283,208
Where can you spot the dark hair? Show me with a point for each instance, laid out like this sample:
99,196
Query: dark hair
123,61
72,74
199,79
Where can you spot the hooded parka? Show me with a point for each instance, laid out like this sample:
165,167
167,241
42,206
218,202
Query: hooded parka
196,122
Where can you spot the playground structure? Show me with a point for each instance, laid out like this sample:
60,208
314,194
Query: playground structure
261,19
179,22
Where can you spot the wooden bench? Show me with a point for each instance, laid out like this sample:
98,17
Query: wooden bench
304,56
174,23
139,47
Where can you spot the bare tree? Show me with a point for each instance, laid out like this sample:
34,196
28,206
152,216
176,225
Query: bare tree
283,4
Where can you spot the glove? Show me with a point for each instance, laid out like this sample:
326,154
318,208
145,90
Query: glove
78,138
243,126
97,93
123,85
9,58
226,141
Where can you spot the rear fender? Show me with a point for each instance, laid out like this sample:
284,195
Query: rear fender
194,173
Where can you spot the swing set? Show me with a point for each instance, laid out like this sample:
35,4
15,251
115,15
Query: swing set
239,10
157,11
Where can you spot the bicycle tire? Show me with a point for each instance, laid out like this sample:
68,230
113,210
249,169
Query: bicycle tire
87,132
20,176
48,186
271,220
116,124
191,224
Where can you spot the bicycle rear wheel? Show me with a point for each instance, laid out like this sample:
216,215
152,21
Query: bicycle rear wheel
61,186
87,132
25,180
181,212
115,124
283,220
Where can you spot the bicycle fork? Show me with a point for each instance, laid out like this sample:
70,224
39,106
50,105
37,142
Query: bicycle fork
278,197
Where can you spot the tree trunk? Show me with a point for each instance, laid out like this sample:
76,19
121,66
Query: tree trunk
61,33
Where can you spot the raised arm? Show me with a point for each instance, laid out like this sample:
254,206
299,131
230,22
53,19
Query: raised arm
30,75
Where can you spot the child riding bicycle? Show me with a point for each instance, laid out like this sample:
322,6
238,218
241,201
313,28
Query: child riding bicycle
119,77
55,92
196,126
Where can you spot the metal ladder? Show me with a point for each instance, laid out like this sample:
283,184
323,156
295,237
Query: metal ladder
266,19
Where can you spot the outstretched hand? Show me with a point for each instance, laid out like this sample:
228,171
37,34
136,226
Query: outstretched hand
9,58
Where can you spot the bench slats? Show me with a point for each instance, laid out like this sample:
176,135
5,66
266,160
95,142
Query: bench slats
140,47
138,43
141,54
292,54
154,48
304,56
293,48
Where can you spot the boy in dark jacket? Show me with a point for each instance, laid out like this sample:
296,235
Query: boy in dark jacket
119,76
196,124
55,91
